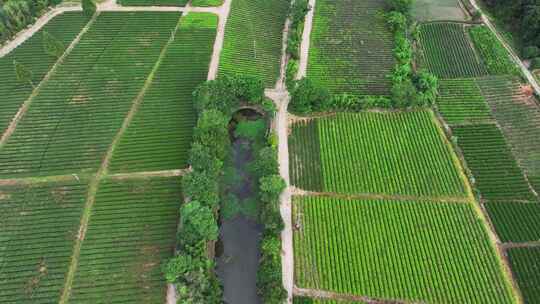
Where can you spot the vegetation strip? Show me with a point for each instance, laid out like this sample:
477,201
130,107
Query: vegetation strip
339,297
94,184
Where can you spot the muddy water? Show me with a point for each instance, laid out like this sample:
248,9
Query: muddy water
239,237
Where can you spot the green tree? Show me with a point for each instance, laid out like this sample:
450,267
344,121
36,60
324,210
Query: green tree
271,187
197,223
23,74
212,132
53,46
89,7
307,97
201,159
402,6
266,162
201,186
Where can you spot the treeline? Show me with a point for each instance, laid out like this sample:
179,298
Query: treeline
524,17
192,270
16,15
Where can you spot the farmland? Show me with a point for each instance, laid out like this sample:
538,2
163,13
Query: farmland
39,224
130,233
519,118
253,39
461,102
167,110
526,265
429,10
515,222
32,55
71,121
153,2
488,156
381,153
494,55
401,244
457,61
351,47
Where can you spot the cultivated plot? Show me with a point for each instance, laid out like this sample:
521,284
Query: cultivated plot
496,173
519,118
38,227
525,263
153,2
351,47
428,252
253,39
446,51
159,137
460,101
515,222
392,153
31,54
72,121
432,10
131,231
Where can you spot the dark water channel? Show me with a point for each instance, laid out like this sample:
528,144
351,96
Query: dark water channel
238,249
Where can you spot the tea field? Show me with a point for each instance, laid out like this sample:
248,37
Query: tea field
429,252
351,47
389,153
253,39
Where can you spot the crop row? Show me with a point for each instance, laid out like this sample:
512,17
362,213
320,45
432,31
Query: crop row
351,48
305,156
387,153
447,51
515,222
130,232
38,227
518,115
525,264
421,252
253,39
461,102
72,121
307,300
496,173
31,54
159,136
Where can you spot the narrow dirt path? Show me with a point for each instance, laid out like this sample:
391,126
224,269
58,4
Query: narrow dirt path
511,245
515,57
324,294
103,170
304,46
223,14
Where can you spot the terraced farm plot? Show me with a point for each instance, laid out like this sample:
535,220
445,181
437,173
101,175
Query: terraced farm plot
31,54
447,52
495,170
391,153
131,231
153,2
253,39
461,102
430,10
38,227
519,118
429,252
159,137
515,222
72,121
351,47
525,264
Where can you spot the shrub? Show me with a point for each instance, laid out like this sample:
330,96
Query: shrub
307,98
197,223
202,160
402,6
269,281
89,7
53,46
211,131
251,129
23,74
266,162
202,187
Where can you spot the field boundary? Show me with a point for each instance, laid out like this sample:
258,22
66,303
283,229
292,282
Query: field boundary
26,104
511,245
306,41
103,169
373,196
324,294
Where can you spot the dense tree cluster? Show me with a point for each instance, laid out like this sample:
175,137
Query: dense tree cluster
15,15
524,16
